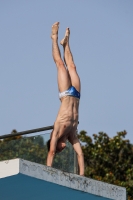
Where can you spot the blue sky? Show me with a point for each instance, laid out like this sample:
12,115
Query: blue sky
102,46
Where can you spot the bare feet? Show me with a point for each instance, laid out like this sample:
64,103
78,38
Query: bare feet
65,40
55,27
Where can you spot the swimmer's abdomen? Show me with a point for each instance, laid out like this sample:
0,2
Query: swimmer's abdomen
68,112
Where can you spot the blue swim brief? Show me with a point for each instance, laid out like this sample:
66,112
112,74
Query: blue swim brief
70,92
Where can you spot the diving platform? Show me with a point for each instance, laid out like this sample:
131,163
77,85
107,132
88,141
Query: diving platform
21,179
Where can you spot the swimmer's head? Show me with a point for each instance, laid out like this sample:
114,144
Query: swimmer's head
60,146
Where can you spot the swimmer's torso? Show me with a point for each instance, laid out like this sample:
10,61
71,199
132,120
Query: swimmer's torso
67,118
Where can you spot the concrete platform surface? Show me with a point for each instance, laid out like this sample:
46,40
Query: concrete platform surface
21,179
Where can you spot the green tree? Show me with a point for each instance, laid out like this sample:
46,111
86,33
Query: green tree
109,159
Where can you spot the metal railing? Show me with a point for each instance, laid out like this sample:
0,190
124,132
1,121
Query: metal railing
27,132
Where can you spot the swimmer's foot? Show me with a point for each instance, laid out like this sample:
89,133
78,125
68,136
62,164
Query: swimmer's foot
65,40
54,33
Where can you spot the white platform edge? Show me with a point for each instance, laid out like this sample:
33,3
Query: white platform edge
73,181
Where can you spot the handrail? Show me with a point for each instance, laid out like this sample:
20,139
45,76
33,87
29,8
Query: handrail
27,132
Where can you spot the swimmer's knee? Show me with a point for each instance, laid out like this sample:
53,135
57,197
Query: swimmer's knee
72,66
59,63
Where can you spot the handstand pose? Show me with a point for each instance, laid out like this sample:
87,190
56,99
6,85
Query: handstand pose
66,122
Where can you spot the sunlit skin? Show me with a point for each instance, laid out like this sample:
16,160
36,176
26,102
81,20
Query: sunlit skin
66,122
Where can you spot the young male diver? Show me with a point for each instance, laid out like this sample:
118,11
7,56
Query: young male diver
69,85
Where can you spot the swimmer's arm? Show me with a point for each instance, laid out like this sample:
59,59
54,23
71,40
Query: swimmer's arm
52,151
77,147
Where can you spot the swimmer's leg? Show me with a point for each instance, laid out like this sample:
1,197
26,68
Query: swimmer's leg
68,58
64,81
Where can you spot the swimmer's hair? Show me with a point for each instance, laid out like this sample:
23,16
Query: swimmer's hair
48,145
